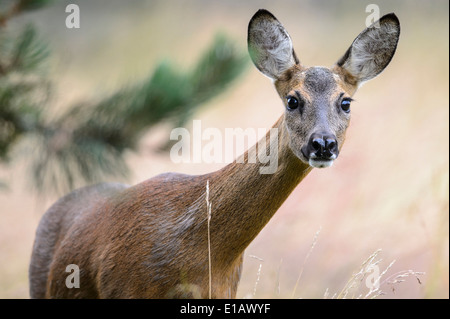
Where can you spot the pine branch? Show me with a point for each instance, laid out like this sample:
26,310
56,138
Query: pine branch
25,54
87,143
20,6
22,91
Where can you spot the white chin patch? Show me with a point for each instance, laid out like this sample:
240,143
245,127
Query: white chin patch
320,164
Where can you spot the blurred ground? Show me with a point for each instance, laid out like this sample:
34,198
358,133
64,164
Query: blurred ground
389,189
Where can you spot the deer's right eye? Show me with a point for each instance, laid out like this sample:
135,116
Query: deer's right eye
292,103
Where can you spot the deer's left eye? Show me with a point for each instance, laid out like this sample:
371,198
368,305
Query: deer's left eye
345,105
292,103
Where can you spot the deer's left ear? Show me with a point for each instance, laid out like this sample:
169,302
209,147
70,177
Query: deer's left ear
270,45
371,51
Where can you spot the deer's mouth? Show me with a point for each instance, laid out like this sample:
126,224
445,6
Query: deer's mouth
318,161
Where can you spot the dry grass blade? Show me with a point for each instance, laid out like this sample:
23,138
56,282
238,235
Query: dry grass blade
306,259
374,288
401,276
370,271
208,212
356,279
258,273
277,286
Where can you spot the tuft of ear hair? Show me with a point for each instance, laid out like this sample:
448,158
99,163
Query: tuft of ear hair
372,50
270,45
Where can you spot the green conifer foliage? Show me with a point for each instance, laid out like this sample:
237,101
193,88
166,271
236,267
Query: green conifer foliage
86,144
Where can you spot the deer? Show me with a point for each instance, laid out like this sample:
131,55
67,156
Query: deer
154,239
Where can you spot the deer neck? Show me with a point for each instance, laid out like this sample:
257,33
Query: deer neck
243,199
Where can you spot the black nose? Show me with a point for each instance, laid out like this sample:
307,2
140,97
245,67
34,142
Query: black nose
322,145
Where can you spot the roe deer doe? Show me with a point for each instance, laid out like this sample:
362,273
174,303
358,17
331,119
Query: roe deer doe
151,240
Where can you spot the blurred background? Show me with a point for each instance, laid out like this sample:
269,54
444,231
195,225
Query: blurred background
389,190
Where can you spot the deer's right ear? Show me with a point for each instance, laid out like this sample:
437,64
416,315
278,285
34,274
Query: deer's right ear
270,45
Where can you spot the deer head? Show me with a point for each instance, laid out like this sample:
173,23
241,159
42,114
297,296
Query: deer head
317,99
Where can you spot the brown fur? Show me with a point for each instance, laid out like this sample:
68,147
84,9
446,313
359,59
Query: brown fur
144,242
150,240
